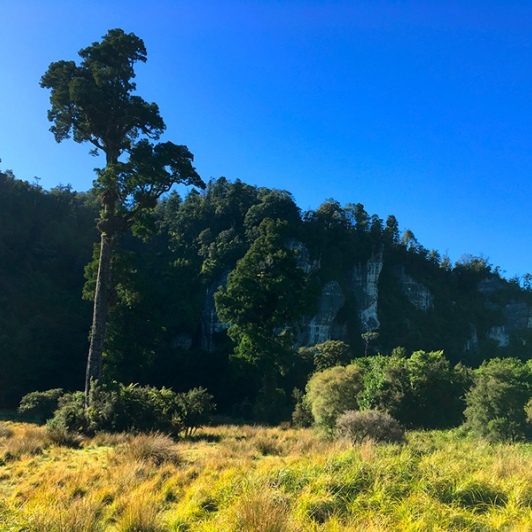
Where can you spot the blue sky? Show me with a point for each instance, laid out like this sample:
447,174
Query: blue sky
414,108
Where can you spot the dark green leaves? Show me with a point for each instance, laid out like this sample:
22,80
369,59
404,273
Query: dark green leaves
93,102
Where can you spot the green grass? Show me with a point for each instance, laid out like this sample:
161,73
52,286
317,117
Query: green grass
262,480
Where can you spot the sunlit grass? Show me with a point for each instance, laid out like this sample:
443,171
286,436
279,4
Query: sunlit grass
261,479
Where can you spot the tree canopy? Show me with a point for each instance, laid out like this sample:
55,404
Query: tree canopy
94,102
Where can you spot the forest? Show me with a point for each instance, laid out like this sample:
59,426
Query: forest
225,290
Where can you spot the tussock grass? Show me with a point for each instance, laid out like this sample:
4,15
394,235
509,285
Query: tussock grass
26,440
155,447
262,479
5,430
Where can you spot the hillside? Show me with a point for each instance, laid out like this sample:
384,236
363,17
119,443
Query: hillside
228,285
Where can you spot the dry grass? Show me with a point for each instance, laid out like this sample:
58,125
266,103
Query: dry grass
23,440
155,447
264,480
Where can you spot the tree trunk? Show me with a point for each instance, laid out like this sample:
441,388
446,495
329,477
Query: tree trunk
99,315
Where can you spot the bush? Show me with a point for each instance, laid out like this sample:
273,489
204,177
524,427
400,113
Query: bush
422,391
194,409
302,415
358,426
331,392
70,419
131,408
40,406
496,404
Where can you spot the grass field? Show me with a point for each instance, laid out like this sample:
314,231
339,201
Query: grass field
242,478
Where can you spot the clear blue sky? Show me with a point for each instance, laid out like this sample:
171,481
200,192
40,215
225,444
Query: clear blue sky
414,108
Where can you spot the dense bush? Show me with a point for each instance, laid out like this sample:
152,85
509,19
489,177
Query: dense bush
144,408
332,392
40,406
358,426
422,391
70,415
120,408
498,403
302,415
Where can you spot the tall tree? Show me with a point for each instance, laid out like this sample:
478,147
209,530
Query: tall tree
94,102
262,302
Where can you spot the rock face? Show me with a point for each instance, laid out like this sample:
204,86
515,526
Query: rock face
303,256
518,317
364,284
210,323
489,286
322,326
417,293
471,345
500,335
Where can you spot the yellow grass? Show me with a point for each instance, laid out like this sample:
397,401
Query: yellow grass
261,480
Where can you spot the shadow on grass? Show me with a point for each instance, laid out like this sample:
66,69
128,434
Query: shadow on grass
210,438
13,415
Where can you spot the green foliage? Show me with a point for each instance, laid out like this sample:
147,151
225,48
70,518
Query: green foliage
132,408
163,329
94,102
194,409
136,408
332,392
263,298
40,405
45,240
302,415
331,353
358,426
420,391
499,401
69,418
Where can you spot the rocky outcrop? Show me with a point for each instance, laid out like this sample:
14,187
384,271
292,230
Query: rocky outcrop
303,256
417,293
489,285
518,315
500,335
322,326
364,284
210,323
471,345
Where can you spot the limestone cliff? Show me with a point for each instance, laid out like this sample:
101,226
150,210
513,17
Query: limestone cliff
364,284
417,293
322,326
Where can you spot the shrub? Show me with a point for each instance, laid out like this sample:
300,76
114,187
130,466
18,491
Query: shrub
528,411
40,406
330,354
302,415
194,409
496,404
331,392
69,418
132,408
358,426
422,391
